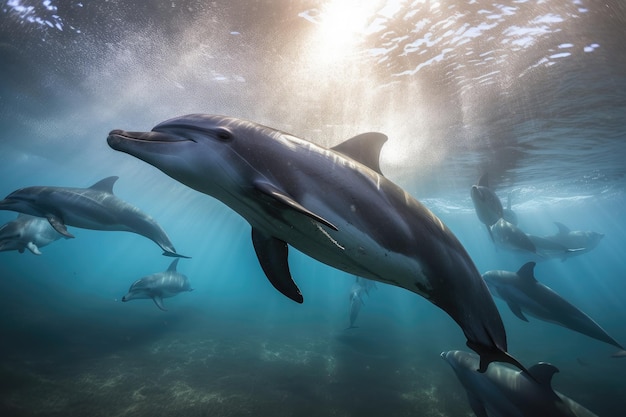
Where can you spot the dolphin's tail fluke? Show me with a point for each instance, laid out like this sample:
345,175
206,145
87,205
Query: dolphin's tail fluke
175,255
490,354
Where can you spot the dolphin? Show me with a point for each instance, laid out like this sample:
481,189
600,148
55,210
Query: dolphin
505,392
486,203
27,232
507,213
524,294
334,205
547,249
509,236
577,240
159,286
356,302
95,208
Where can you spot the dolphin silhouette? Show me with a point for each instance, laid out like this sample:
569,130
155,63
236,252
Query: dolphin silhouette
95,208
524,294
334,205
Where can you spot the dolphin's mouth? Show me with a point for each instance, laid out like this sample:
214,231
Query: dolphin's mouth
117,137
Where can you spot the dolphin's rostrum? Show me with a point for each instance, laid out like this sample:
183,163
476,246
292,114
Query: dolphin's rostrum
331,204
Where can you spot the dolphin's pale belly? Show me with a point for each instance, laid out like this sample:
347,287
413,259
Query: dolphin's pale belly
348,249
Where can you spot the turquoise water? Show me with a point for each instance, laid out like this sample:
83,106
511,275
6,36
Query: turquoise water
533,94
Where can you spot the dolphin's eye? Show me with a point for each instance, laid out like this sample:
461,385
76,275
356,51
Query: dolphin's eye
223,134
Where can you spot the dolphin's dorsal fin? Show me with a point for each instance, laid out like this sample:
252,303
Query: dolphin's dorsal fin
543,372
483,181
364,148
105,185
527,272
172,267
563,230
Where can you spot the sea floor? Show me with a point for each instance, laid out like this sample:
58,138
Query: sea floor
220,368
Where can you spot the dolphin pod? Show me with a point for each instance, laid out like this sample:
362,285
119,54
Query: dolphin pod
333,204
95,208
505,392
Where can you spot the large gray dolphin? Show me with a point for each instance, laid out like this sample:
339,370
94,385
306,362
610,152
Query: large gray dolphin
27,232
486,203
505,392
159,286
95,208
331,204
524,294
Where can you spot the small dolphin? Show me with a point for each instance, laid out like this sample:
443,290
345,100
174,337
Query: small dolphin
511,237
159,286
27,232
486,203
95,208
578,240
524,294
334,205
507,213
505,392
356,302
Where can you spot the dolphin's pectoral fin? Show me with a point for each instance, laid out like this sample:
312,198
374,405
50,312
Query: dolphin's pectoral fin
58,225
516,310
272,255
278,195
159,302
477,406
33,248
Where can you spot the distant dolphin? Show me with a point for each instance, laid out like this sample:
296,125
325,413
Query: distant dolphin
548,249
95,208
356,302
505,392
331,204
581,241
511,237
27,232
486,203
507,213
524,294
159,286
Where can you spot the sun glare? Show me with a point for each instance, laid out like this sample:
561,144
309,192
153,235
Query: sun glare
340,25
